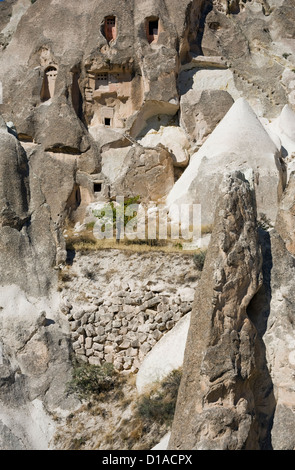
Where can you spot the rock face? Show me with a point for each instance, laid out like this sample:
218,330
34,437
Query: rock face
116,72
277,326
14,181
35,364
28,245
285,223
238,142
226,385
198,117
157,99
34,344
149,173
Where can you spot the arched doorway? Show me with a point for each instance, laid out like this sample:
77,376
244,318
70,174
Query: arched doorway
48,85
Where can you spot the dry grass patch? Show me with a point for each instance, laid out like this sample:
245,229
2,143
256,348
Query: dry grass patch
120,419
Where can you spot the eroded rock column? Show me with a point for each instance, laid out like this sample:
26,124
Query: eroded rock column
225,397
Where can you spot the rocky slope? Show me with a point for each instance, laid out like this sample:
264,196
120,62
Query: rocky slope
168,103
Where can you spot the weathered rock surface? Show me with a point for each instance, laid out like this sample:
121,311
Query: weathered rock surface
198,117
275,305
226,385
35,365
84,52
173,138
285,222
238,142
28,245
77,94
148,173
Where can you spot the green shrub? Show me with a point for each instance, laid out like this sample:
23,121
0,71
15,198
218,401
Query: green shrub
199,259
89,380
90,225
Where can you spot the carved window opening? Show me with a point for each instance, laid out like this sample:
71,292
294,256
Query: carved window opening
110,28
152,29
48,85
97,187
107,115
101,80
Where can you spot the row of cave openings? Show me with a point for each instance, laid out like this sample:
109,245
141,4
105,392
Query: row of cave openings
152,26
109,30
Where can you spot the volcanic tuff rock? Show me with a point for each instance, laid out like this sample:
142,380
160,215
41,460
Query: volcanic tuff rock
221,396
154,166
285,222
29,239
104,98
273,310
238,142
35,365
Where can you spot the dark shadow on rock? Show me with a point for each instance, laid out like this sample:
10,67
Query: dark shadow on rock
258,312
70,256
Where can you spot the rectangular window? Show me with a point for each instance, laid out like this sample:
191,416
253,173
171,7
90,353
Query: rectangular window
97,187
107,121
101,80
153,28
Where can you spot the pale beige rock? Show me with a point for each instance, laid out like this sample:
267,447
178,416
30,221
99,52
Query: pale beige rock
285,222
171,350
198,117
223,362
276,303
149,173
238,142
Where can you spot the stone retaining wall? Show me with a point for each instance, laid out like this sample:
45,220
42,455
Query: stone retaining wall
123,324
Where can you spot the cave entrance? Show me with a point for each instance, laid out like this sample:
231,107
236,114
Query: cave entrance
107,116
97,187
110,28
48,85
152,29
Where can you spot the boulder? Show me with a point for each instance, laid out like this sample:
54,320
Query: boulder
149,173
201,111
173,138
